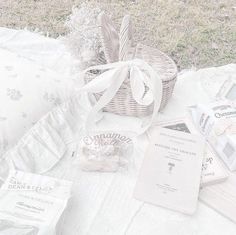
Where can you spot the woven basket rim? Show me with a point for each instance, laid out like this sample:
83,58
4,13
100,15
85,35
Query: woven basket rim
171,62
165,80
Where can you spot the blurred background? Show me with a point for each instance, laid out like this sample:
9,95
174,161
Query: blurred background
195,33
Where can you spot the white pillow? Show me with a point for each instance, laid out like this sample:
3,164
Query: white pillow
27,92
45,51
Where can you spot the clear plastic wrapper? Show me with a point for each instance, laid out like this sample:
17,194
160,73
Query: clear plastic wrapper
217,122
105,151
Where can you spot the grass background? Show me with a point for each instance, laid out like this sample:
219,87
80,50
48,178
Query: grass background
195,33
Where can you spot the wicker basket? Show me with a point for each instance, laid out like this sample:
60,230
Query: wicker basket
123,102
120,47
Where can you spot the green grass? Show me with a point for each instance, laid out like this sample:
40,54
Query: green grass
195,33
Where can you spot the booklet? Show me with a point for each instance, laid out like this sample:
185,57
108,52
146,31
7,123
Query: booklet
171,172
213,171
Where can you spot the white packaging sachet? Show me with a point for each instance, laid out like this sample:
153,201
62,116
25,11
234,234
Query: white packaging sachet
217,122
32,204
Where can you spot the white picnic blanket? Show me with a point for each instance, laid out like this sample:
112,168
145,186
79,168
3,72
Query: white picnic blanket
102,204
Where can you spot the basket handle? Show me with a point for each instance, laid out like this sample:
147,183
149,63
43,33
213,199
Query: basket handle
111,80
109,38
125,38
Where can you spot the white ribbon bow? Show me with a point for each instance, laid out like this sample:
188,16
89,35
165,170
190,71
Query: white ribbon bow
140,75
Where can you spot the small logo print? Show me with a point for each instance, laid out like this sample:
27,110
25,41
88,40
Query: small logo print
171,166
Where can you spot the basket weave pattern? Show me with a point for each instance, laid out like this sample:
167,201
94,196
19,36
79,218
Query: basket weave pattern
123,103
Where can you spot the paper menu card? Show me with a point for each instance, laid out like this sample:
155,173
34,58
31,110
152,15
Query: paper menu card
171,172
213,171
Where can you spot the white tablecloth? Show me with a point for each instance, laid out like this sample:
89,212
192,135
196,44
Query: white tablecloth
102,204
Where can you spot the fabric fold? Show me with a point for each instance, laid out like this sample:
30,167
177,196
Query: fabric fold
43,145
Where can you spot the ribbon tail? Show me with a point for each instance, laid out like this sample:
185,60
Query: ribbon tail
99,83
118,78
157,95
138,79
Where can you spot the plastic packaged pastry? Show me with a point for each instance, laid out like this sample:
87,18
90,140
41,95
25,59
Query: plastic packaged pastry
217,122
105,151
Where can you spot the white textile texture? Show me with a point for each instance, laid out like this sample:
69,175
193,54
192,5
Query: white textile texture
103,204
